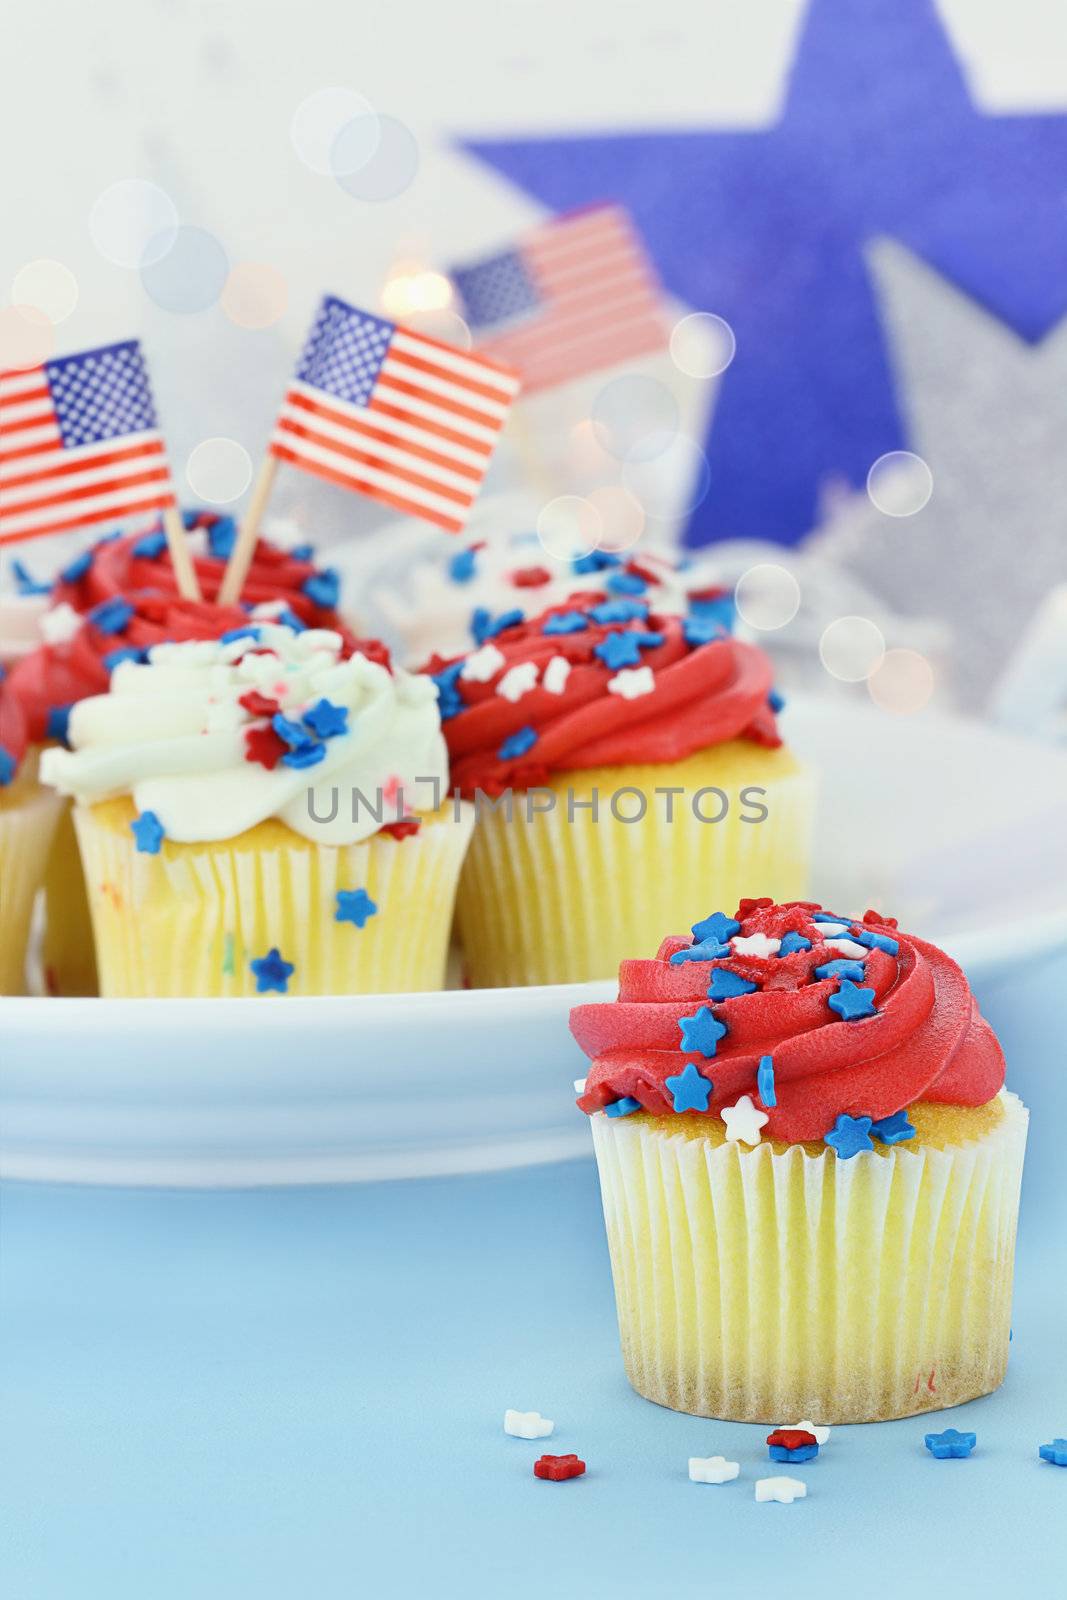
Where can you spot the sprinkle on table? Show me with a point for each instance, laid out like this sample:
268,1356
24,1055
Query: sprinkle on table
355,906
272,972
527,1425
690,1089
950,1445
558,1468
851,1003
1056,1452
701,1032
849,1136
784,1490
147,831
712,1469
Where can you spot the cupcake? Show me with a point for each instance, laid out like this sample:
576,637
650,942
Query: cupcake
621,761
439,604
28,817
810,1170
262,814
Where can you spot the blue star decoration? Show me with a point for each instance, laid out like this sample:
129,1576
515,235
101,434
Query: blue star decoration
461,566
619,650
355,906
878,135
484,626
624,1107
950,1444
325,719
701,1032
272,971
147,832
517,744
849,1136
323,588
894,1129
727,985
690,1089
565,622
850,1002
1056,1452
765,1082
717,926
842,968
792,942
706,950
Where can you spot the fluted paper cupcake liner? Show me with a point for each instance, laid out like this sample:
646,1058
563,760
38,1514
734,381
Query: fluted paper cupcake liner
190,920
28,817
769,1284
556,897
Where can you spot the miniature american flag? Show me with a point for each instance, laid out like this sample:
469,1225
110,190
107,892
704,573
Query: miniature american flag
576,295
79,444
398,417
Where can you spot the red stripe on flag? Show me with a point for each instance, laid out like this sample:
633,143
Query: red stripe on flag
387,380
86,464
409,507
315,408
419,365
438,429
367,459
87,519
87,492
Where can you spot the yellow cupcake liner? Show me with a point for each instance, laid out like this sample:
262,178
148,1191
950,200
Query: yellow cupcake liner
67,953
190,919
28,818
556,897
767,1284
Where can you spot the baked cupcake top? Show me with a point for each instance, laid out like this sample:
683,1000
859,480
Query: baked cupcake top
439,604
212,737
601,680
790,1023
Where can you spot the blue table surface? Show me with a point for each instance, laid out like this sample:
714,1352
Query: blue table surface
301,1392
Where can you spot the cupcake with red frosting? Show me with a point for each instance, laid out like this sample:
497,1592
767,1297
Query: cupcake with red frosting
621,761
809,1166
28,817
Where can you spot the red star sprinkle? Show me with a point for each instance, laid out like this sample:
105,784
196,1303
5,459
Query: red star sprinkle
791,1438
557,1468
262,744
258,704
531,577
404,829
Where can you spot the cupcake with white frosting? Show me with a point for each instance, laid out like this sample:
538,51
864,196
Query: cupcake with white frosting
264,813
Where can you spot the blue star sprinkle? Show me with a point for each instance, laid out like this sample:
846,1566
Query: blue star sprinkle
776,701
803,1452
77,568
323,588
517,744
849,1136
25,582
326,719
894,1129
221,537
595,561
850,1002
461,566
690,1089
565,622
115,658
111,616
619,650
449,700
306,755
296,736
147,831
727,985
701,1032
355,906
829,916
1056,1452
875,941
765,1082
289,619
271,971
626,583
841,968
791,942
647,641
718,609
717,926
301,552
249,631
705,950
8,767
150,545
484,626
619,611
702,630
625,1107
951,1444
59,721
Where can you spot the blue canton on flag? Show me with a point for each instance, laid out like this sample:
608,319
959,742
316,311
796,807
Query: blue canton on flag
495,290
345,351
102,395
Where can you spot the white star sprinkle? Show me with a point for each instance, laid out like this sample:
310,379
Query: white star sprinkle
579,1085
744,1120
519,681
632,682
784,1490
821,1434
481,665
848,947
527,1425
60,624
712,1469
554,680
756,944
830,929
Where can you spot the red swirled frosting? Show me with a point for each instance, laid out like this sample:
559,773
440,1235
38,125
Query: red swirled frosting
925,1041
13,731
695,692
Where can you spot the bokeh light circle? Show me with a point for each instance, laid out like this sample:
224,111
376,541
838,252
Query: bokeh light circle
387,171
634,417
411,289
192,274
27,338
569,527
444,325
254,295
767,596
900,483
133,223
48,286
320,118
850,648
622,517
702,344
902,682
672,480
219,470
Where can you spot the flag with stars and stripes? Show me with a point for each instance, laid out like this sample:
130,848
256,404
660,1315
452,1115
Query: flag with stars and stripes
79,444
576,295
393,415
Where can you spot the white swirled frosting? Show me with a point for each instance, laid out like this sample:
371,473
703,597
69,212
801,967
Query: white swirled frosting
173,734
